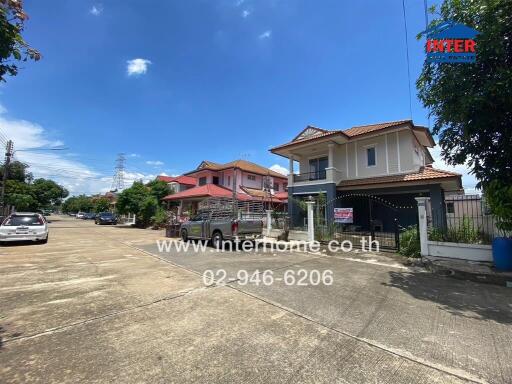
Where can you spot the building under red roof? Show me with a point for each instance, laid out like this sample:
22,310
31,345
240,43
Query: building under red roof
185,180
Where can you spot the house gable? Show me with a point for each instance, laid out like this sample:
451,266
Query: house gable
309,132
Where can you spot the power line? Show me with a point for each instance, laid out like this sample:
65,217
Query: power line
408,61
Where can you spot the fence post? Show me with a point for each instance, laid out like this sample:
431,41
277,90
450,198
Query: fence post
269,221
311,224
397,235
422,224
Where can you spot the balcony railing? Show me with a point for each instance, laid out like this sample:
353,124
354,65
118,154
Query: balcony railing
309,176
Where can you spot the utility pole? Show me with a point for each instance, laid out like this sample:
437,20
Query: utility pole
235,201
8,154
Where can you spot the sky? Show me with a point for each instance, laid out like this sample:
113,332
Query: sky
172,83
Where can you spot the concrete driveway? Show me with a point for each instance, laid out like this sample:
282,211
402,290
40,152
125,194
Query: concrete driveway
102,304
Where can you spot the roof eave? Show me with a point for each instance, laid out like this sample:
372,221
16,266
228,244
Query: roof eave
281,148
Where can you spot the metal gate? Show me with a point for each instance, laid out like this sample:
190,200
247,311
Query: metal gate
369,219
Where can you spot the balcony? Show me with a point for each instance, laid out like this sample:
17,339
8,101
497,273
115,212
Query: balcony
310,176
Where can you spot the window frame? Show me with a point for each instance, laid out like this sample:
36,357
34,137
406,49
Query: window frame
319,174
367,148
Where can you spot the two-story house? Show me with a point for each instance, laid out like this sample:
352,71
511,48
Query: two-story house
249,181
390,162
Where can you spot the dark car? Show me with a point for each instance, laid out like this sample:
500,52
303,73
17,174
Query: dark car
89,216
106,218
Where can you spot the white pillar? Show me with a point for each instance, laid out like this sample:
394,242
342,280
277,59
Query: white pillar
330,158
269,221
311,224
290,167
422,227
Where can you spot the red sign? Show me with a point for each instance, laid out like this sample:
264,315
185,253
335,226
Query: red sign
344,215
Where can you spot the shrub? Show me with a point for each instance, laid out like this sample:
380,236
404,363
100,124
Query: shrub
160,219
410,242
465,232
499,197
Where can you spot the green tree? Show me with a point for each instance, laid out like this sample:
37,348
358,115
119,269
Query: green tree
101,205
48,192
472,103
12,46
17,171
159,189
80,203
20,195
149,209
137,200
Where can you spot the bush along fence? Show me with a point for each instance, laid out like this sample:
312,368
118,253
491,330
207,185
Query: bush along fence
462,228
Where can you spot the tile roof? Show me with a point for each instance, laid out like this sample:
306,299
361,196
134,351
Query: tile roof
207,190
425,173
362,129
281,195
350,132
244,165
265,194
185,180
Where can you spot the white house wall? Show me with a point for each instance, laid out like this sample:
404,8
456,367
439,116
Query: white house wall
396,152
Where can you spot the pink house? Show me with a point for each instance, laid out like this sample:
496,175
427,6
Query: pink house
250,181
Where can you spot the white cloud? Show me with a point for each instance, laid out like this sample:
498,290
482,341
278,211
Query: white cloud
96,10
76,176
137,66
239,2
154,162
245,13
265,35
468,181
133,155
2,109
130,177
279,169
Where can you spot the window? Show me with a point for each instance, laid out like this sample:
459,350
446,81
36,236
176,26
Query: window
251,177
370,156
317,168
215,180
228,181
202,180
450,207
276,187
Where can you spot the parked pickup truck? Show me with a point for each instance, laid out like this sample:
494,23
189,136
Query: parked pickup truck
215,227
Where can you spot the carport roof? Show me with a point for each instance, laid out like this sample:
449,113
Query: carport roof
207,190
425,174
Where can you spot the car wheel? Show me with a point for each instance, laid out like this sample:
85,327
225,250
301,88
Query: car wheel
184,235
217,240
44,241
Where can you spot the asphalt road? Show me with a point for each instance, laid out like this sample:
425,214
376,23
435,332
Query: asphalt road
102,304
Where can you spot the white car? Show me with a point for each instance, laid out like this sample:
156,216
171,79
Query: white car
80,215
24,226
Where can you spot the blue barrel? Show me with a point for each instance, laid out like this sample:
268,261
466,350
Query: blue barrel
502,253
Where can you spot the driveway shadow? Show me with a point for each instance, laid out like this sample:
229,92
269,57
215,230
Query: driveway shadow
2,331
18,243
461,298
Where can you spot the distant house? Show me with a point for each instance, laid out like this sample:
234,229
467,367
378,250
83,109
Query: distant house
376,170
242,179
179,183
